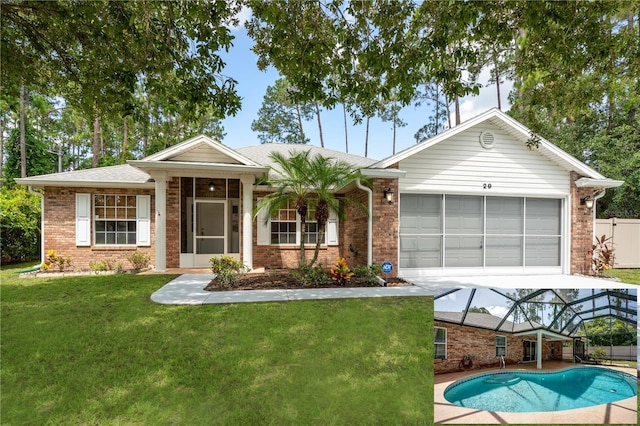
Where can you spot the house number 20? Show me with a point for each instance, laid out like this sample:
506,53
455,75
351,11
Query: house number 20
486,185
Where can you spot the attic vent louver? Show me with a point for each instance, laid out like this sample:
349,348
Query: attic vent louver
487,140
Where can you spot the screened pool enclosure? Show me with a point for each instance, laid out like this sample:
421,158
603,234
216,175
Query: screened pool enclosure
584,317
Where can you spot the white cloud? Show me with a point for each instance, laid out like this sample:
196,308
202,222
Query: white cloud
498,311
243,16
471,106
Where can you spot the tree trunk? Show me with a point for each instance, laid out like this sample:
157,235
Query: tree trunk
125,137
1,150
23,145
96,141
495,64
366,138
448,111
145,130
437,123
300,123
395,121
319,124
346,135
457,110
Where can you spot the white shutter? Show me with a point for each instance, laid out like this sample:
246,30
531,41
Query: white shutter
332,228
83,219
263,233
143,220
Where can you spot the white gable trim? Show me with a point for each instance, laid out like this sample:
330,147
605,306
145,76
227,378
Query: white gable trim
566,160
189,144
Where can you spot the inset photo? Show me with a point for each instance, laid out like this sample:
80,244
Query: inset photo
544,356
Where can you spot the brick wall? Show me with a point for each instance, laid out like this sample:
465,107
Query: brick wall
354,230
277,256
385,224
60,228
581,229
173,223
480,344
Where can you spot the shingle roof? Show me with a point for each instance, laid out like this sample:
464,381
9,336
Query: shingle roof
476,319
122,174
260,153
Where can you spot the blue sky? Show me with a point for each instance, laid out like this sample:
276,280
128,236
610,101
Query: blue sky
252,85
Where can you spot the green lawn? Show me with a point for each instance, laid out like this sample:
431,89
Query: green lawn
96,350
629,276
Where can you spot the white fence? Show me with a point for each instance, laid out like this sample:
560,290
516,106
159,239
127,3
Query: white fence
628,353
625,235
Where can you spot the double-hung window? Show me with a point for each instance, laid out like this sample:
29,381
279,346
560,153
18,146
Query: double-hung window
115,219
501,346
440,343
283,228
284,225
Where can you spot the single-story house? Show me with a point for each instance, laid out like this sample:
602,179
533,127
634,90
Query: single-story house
471,200
485,340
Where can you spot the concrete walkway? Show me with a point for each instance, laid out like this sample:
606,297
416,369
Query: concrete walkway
187,289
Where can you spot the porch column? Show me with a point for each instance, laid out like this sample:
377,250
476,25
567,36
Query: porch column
160,179
539,350
247,219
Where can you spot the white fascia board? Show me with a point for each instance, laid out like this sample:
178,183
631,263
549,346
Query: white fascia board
598,183
191,143
83,183
211,167
384,173
546,333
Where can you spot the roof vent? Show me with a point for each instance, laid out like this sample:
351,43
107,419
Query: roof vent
487,140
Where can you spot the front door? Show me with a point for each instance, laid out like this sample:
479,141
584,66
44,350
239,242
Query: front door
210,231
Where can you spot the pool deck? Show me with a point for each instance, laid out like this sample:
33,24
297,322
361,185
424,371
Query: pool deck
620,412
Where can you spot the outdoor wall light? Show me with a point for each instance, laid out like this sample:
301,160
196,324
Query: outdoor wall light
212,186
388,195
587,201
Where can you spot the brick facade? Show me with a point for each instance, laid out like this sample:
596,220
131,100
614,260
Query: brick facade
480,344
60,228
581,229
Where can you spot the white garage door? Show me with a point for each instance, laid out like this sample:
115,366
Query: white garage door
455,231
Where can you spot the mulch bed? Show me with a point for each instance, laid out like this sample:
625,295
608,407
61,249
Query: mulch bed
283,280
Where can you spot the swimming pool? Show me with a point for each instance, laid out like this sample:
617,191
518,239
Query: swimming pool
528,391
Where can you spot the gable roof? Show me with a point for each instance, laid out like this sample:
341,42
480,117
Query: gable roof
519,132
201,145
261,153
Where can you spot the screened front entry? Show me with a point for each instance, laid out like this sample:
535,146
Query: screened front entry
209,220
459,231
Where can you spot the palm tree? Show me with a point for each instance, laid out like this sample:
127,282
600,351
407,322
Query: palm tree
293,186
308,183
329,175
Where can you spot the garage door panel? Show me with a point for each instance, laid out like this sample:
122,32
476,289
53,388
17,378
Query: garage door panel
504,251
542,251
463,251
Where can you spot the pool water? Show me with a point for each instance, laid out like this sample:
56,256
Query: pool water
525,391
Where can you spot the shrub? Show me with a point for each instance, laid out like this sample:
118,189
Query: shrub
138,260
599,354
55,261
369,274
106,265
340,272
311,276
227,270
603,256
19,226
97,266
